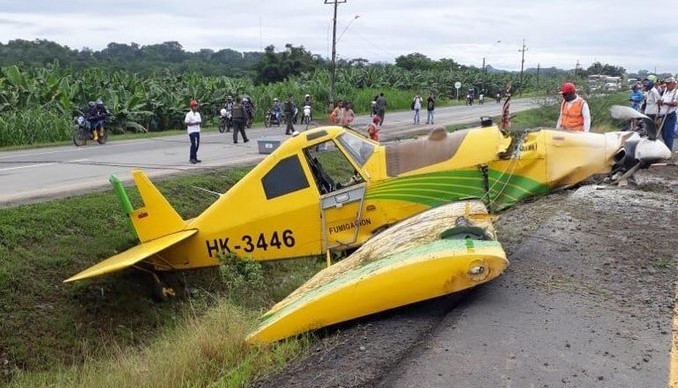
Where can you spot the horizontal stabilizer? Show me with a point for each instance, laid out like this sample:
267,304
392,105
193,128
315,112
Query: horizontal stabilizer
132,256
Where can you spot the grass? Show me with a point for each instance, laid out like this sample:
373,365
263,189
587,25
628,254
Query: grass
108,329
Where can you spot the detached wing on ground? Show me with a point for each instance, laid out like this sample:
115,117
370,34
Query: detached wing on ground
132,256
440,251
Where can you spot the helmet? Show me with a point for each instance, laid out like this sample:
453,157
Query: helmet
229,98
91,104
307,96
275,99
652,78
193,103
99,102
245,99
568,87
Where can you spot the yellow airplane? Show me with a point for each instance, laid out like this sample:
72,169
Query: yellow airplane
290,206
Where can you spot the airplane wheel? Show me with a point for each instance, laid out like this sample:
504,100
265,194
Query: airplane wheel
162,292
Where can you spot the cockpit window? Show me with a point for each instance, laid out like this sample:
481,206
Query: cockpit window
285,177
331,168
360,149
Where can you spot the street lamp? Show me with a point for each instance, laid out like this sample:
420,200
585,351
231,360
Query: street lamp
347,26
488,51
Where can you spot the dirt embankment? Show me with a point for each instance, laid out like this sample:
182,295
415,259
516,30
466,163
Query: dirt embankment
603,257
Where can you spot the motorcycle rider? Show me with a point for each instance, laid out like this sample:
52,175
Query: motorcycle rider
277,109
249,109
96,116
226,113
308,103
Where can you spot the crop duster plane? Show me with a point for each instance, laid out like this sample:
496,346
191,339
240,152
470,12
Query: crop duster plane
290,205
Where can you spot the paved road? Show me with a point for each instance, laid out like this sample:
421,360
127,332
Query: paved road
32,175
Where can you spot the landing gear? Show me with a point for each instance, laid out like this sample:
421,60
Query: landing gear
163,287
161,290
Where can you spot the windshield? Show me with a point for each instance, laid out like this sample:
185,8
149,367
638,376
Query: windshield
359,149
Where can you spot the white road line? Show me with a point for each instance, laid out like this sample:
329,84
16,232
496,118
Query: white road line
27,166
41,165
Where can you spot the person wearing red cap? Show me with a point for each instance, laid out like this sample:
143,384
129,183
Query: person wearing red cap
574,111
192,122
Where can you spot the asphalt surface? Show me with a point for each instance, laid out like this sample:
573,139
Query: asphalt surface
589,300
33,175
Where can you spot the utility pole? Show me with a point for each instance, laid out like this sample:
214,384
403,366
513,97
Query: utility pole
333,69
522,64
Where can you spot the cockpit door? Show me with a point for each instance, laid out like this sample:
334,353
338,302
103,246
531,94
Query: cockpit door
341,214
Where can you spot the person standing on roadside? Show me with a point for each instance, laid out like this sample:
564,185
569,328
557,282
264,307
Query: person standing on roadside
347,115
651,107
430,107
192,122
240,117
574,111
381,108
373,129
416,105
667,110
289,114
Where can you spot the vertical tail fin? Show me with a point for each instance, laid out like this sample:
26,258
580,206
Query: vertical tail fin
157,218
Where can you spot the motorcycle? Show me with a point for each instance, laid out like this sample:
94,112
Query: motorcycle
82,133
273,118
225,121
481,99
307,115
469,99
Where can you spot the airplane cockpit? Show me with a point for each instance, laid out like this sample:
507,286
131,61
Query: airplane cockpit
344,173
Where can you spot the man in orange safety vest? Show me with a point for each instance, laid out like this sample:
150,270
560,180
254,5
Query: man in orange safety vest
574,111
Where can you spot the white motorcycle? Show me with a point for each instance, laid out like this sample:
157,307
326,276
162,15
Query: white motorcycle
306,119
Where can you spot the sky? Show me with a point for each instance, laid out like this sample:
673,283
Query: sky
556,32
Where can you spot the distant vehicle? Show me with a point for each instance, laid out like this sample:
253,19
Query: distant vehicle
604,83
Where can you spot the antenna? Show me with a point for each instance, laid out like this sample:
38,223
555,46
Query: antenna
207,190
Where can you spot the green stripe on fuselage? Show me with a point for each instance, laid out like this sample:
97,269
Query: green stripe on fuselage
438,188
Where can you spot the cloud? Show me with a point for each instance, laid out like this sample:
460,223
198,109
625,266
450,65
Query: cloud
557,33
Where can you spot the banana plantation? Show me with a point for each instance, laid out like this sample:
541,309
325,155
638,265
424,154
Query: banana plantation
37,105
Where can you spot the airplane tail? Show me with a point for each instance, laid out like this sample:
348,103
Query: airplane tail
157,225
157,218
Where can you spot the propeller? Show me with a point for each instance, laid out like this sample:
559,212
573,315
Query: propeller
628,113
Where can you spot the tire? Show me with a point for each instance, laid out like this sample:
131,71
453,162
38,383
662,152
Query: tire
80,136
267,121
222,125
103,137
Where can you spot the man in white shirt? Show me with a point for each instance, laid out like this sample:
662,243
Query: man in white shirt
667,111
192,122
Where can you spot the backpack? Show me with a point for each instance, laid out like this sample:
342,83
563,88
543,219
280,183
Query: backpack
412,106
